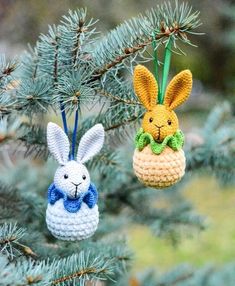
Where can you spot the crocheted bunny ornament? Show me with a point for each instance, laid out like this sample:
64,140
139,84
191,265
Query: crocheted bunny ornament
72,211
159,160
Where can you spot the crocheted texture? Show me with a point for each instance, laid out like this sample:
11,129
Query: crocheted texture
72,212
58,143
175,142
178,89
73,204
71,226
91,143
73,179
159,171
160,120
145,86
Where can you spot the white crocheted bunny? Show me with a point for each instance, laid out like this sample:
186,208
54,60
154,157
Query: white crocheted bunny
72,211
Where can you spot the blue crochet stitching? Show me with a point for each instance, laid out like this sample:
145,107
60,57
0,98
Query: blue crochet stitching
73,205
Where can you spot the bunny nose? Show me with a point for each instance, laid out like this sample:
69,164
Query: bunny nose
76,184
159,126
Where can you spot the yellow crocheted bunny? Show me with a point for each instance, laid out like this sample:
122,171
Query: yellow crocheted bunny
159,159
160,120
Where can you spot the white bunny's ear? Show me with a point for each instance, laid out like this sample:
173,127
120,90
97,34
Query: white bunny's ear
91,143
58,143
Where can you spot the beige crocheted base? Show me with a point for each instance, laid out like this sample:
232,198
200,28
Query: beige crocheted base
159,171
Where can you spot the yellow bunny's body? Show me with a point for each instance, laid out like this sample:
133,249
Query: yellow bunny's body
160,129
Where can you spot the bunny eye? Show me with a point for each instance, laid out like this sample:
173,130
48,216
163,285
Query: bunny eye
66,176
150,119
169,122
84,177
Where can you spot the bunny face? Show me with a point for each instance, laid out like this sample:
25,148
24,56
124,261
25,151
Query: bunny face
72,176
73,179
160,120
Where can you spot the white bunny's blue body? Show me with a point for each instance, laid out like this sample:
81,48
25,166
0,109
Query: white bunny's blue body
72,211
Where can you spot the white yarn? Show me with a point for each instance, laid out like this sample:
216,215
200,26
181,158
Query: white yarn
75,172
58,143
73,178
71,226
88,147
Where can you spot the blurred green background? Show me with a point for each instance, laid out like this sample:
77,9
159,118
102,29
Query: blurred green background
213,68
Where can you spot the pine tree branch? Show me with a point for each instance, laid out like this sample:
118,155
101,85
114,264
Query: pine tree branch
91,264
132,37
127,52
33,138
9,241
35,70
179,279
27,251
8,70
79,274
80,29
118,125
130,51
117,98
6,110
34,279
55,73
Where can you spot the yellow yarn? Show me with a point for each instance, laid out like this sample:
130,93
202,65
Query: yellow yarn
160,120
178,89
145,86
159,171
164,122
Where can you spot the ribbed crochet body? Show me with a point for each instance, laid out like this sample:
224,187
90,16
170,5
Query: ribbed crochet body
71,226
159,171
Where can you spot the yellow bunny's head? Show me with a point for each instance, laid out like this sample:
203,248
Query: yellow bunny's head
160,120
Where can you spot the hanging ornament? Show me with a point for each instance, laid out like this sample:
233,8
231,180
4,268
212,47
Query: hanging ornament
72,210
159,159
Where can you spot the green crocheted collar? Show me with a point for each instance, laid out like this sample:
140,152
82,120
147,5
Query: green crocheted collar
175,142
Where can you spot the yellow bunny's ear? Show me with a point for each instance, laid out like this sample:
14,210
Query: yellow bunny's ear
145,86
178,89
